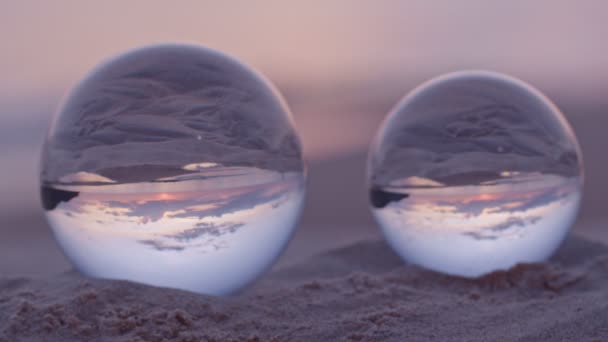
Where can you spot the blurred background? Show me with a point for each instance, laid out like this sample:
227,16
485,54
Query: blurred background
341,66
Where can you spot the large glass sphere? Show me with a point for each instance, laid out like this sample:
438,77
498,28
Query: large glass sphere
174,166
475,172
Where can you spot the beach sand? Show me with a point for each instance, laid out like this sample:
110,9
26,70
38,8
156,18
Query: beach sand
358,292
337,279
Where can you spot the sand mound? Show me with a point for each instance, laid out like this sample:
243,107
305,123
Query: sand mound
361,292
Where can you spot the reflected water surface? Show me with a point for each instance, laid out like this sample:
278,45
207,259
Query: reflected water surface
473,230
212,235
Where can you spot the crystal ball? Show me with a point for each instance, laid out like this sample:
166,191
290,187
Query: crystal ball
175,166
474,172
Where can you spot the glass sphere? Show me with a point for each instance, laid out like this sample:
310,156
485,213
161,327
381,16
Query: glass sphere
175,166
474,172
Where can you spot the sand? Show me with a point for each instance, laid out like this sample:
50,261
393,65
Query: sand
360,292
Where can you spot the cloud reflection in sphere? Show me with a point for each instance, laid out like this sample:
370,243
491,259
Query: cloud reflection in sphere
173,165
474,172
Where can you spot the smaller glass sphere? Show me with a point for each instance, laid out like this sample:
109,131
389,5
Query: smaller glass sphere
474,172
175,166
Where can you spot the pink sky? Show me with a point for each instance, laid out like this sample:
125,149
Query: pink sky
310,46
50,45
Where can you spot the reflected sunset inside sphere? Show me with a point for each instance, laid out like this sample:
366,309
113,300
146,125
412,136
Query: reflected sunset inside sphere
475,172
173,165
